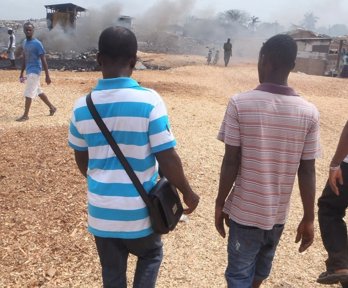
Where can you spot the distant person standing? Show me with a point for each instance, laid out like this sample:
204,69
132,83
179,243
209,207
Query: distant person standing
216,57
11,47
210,54
344,71
33,61
345,58
227,51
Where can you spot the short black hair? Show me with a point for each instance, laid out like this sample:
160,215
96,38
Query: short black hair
28,24
118,43
281,51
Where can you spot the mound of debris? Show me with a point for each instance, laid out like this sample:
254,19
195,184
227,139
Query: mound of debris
83,62
73,61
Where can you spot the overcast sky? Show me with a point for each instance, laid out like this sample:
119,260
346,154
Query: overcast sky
285,12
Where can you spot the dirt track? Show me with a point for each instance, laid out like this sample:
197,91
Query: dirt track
43,237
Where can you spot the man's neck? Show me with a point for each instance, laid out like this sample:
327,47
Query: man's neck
276,79
277,82
111,72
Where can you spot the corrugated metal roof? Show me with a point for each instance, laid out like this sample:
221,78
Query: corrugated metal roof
65,6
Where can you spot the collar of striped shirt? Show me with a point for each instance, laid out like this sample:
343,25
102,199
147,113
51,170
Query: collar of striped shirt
276,89
115,83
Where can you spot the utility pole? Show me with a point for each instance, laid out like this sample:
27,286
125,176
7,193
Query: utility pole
339,52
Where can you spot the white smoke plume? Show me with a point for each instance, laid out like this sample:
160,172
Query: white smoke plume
85,36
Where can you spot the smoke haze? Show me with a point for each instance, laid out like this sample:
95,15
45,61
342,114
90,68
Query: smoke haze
169,26
86,35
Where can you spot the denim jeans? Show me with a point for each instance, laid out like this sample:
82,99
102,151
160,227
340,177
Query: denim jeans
250,254
113,255
333,229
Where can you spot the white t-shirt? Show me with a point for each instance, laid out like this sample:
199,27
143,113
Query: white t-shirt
13,41
345,59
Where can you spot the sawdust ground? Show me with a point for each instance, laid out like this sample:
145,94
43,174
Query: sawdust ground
43,237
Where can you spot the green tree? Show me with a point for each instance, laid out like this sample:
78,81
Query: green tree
253,22
309,21
234,16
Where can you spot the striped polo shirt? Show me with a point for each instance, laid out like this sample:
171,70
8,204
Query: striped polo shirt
138,120
275,129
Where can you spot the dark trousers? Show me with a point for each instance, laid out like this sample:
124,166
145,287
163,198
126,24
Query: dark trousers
333,229
113,255
227,56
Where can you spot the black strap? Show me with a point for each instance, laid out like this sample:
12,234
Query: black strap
117,150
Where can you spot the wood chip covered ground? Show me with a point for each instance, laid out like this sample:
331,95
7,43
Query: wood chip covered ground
43,236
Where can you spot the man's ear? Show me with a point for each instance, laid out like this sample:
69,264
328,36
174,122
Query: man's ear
262,60
99,59
133,62
267,63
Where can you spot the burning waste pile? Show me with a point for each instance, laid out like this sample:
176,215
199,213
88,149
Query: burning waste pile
73,61
64,51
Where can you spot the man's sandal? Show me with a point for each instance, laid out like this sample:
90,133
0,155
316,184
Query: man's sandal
22,118
332,277
52,111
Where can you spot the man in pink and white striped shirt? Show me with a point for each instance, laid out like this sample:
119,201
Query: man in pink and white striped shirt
270,135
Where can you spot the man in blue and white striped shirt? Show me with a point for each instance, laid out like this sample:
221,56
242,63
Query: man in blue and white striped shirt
138,120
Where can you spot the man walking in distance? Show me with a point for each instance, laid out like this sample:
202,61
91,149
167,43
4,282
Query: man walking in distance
117,216
332,210
270,134
11,47
33,61
227,51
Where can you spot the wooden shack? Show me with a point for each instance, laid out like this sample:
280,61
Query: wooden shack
313,55
319,54
64,15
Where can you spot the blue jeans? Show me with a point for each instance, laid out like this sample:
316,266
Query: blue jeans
250,254
113,255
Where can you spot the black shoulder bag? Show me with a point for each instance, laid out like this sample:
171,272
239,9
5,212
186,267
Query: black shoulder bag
163,200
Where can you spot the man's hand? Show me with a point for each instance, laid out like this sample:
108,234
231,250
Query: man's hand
191,200
48,80
334,177
305,233
220,218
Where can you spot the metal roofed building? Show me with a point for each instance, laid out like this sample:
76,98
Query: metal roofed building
64,15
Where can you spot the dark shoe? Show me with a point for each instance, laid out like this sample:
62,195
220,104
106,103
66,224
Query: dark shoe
332,278
22,118
52,111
